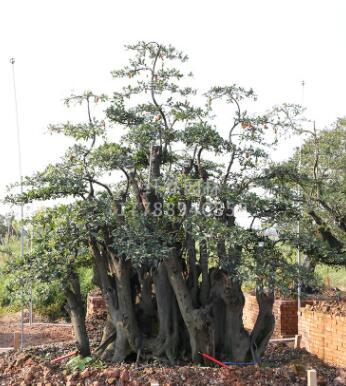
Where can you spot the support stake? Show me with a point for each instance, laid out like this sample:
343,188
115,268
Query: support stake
312,377
16,340
297,341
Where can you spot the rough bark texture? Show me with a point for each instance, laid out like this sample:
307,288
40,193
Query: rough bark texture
167,338
171,309
197,321
77,313
264,325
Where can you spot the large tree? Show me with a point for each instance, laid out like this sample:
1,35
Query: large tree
169,252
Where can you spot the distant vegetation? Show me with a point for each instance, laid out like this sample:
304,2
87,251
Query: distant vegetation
48,300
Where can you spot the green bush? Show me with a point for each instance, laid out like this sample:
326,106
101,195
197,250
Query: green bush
86,284
5,296
48,298
49,301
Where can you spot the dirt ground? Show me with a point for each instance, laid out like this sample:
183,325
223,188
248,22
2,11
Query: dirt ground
282,364
36,334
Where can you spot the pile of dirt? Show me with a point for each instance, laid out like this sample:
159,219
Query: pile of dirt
282,365
334,294
331,307
95,324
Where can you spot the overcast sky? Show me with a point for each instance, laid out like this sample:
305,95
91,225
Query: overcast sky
63,46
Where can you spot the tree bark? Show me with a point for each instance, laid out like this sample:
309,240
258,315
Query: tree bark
109,290
205,285
193,269
107,345
264,325
216,325
197,321
167,340
77,313
233,340
121,271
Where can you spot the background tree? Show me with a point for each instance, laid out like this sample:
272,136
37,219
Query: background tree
60,250
3,228
320,203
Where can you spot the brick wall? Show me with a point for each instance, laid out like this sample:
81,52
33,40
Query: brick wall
95,304
324,335
286,318
285,313
250,311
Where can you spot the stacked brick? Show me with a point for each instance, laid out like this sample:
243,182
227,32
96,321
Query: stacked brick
324,335
95,304
286,318
285,313
250,311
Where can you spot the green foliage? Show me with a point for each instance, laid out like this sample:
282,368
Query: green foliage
3,228
175,185
78,363
6,296
320,202
49,301
85,276
45,267
156,108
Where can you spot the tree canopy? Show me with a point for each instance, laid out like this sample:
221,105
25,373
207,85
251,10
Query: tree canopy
157,192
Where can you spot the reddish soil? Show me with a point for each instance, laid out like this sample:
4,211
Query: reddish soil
282,365
37,334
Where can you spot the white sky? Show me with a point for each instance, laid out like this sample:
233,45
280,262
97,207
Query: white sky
63,46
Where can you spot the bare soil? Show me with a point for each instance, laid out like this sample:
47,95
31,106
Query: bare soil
36,334
282,365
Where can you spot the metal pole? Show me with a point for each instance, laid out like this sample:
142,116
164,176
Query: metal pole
30,301
12,61
299,286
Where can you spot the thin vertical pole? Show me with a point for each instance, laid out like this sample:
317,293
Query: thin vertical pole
150,163
299,286
30,301
12,61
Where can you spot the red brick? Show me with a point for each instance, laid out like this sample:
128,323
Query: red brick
321,337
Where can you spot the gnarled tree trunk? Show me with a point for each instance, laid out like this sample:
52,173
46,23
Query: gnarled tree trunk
164,296
77,313
198,321
264,325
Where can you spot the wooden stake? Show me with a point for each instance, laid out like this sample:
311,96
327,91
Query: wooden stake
297,341
16,340
312,378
